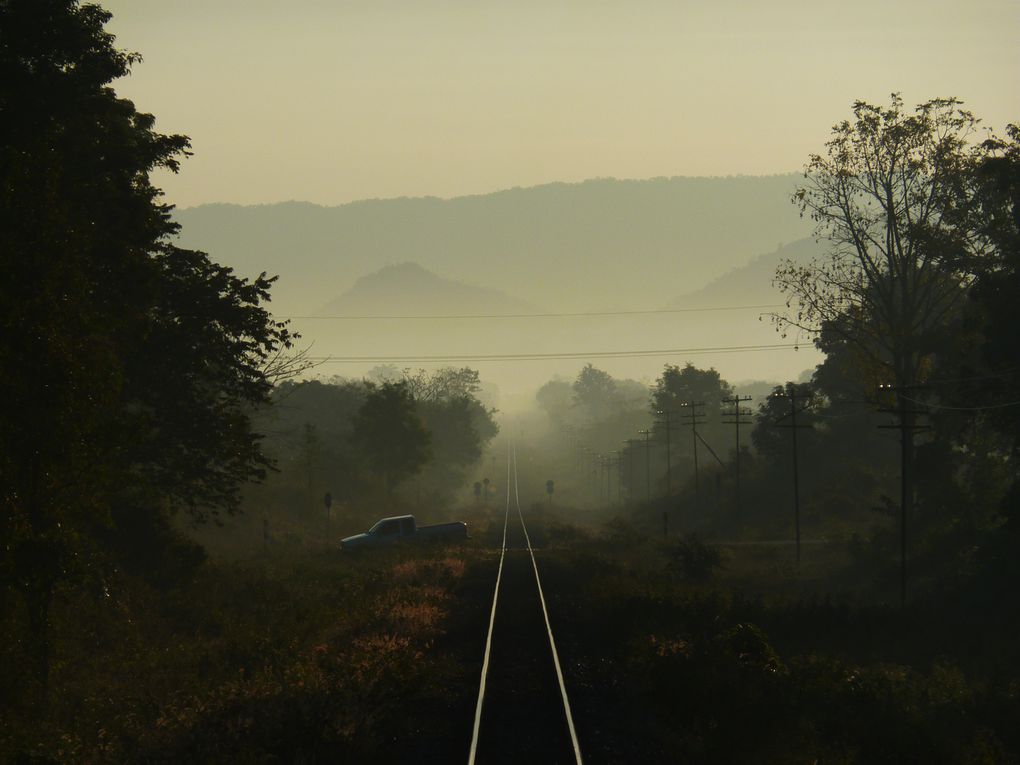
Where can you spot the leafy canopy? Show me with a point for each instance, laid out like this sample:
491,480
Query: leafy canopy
891,196
130,366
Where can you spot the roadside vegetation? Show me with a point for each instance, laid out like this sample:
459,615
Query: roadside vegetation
839,586
301,656
681,651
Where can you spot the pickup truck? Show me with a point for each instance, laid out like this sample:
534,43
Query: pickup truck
404,528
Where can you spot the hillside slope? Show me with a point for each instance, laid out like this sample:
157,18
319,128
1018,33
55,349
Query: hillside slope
593,245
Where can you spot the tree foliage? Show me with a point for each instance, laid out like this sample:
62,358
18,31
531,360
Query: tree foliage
556,399
890,196
998,280
130,365
444,384
595,393
679,386
390,433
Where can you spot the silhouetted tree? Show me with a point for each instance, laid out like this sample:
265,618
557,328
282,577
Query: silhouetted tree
390,433
595,392
446,383
996,382
130,366
887,196
995,293
458,423
556,398
770,437
892,196
459,428
678,386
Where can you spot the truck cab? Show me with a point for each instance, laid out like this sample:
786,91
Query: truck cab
394,528
403,527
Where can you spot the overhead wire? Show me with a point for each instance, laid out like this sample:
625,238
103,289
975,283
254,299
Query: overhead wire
548,315
552,356
960,408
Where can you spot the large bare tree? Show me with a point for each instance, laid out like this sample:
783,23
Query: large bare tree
892,196
888,196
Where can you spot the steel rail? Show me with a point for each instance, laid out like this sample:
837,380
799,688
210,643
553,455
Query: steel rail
548,627
492,623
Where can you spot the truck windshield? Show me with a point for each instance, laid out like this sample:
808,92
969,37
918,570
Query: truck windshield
385,527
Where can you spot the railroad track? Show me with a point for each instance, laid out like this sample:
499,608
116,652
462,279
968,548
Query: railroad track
523,711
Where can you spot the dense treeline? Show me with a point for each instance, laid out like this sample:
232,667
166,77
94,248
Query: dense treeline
911,419
146,388
130,365
398,442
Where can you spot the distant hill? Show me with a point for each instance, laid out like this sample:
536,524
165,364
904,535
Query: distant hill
408,289
585,246
405,311
594,246
751,283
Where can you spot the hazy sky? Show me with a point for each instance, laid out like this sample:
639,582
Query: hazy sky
332,101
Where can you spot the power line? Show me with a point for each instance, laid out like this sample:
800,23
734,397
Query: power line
962,408
544,356
991,376
581,314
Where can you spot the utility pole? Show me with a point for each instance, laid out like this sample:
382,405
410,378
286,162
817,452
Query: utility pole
669,471
630,467
907,428
609,479
619,479
586,456
669,427
694,418
791,393
611,462
648,463
601,467
736,421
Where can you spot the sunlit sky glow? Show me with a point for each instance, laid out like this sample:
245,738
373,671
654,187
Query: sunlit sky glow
336,101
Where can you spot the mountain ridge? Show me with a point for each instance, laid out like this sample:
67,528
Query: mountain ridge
584,246
494,192
751,283
412,289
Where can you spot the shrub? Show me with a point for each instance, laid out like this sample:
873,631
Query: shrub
691,559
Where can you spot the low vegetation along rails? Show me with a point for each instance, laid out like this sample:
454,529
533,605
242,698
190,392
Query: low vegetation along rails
523,711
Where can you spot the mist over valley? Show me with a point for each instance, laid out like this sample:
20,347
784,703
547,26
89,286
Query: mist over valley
599,246
456,456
